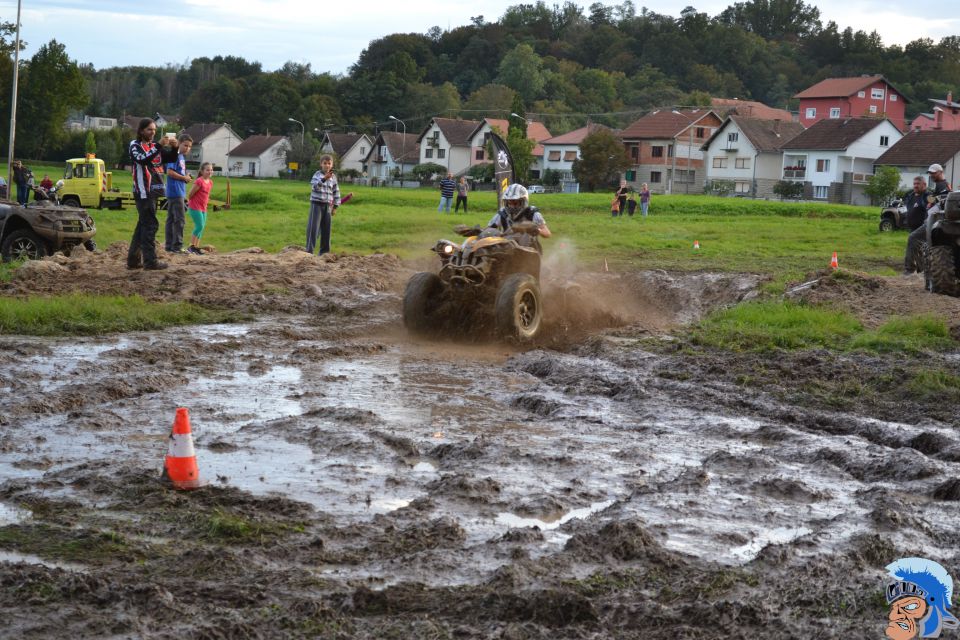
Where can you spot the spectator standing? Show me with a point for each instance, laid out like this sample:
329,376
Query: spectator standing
177,179
919,235
31,184
916,203
644,199
145,155
20,179
631,204
621,195
447,187
199,197
324,200
462,190
615,207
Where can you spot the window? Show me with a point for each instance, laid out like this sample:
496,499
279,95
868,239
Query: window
654,177
834,112
441,153
701,132
436,135
631,176
876,94
569,156
670,151
893,97
635,153
884,141
823,166
656,152
861,94
811,112
363,151
720,163
429,153
479,154
743,163
733,136
554,156
741,187
688,177
873,108
821,193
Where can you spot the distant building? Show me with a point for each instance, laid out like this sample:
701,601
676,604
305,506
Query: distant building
745,153
212,142
750,109
945,116
536,131
446,141
834,158
917,150
258,157
666,149
857,97
351,148
559,152
392,152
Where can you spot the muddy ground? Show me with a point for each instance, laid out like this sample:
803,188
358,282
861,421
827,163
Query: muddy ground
615,481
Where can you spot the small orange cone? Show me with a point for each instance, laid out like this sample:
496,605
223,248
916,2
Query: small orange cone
180,467
833,261
696,244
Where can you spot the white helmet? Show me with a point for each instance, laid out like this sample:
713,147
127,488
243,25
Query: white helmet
515,200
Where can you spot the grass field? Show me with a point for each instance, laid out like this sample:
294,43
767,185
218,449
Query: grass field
785,240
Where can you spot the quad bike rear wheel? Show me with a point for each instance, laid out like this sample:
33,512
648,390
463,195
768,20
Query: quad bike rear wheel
420,301
23,244
886,224
942,270
519,308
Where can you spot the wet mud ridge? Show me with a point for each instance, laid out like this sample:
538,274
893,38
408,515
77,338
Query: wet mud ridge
366,486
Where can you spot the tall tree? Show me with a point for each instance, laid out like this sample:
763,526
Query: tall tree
522,70
602,159
774,18
52,85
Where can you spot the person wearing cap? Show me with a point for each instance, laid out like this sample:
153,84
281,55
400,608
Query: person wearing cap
918,236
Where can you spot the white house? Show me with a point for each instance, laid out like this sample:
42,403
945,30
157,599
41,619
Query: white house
834,157
917,150
744,154
392,152
258,157
446,141
536,131
212,143
559,152
351,148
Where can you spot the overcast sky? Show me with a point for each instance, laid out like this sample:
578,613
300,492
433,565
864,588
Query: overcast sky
330,35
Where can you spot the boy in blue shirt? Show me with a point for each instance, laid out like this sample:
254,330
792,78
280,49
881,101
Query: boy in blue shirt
176,192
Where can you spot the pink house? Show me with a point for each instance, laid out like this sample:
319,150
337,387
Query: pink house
858,97
945,116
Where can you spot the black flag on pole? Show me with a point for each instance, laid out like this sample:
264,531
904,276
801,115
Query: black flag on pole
502,167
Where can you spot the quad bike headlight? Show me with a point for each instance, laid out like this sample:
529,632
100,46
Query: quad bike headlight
445,248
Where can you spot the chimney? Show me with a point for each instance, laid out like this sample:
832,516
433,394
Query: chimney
939,121
949,97
776,126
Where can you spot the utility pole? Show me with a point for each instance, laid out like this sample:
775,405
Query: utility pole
13,105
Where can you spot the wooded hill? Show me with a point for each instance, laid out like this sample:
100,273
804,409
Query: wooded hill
605,63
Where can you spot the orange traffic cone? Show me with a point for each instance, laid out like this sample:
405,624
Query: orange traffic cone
696,244
180,467
833,261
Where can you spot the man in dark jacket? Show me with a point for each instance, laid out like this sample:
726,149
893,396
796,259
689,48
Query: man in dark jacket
20,179
916,203
919,235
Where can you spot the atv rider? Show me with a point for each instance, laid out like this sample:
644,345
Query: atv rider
516,208
919,234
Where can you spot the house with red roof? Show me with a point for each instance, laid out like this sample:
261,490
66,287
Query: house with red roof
560,152
917,150
945,116
259,156
446,141
744,156
857,97
536,131
392,154
749,109
666,149
212,142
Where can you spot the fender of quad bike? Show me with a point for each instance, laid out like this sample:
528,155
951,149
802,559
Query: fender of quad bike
945,232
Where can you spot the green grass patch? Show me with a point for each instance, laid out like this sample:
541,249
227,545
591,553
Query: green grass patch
64,543
771,325
81,314
935,384
224,526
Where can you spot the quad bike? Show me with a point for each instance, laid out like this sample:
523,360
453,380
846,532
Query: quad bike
943,245
894,216
493,275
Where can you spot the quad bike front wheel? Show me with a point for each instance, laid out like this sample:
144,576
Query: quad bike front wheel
942,270
886,224
420,301
23,244
519,308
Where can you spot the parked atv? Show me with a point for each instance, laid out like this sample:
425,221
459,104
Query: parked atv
42,228
493,276
894,216
943,245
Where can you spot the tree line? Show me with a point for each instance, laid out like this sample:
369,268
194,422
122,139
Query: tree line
566,64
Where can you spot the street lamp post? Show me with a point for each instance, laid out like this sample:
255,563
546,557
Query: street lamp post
403,146
13,105
303,130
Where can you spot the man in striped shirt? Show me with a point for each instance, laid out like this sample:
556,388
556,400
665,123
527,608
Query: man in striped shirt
447,187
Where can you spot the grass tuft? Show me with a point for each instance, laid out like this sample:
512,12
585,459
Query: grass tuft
81,314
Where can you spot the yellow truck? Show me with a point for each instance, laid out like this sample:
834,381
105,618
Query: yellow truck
88,184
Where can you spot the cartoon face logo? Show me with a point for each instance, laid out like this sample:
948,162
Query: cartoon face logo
919,599
502,161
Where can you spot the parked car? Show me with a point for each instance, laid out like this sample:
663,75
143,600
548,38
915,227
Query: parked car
536,188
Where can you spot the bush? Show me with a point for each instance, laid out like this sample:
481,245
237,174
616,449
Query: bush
788,189
427,170
551,178
481,172
720,187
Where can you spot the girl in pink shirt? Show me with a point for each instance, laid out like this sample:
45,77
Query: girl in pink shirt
197,205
